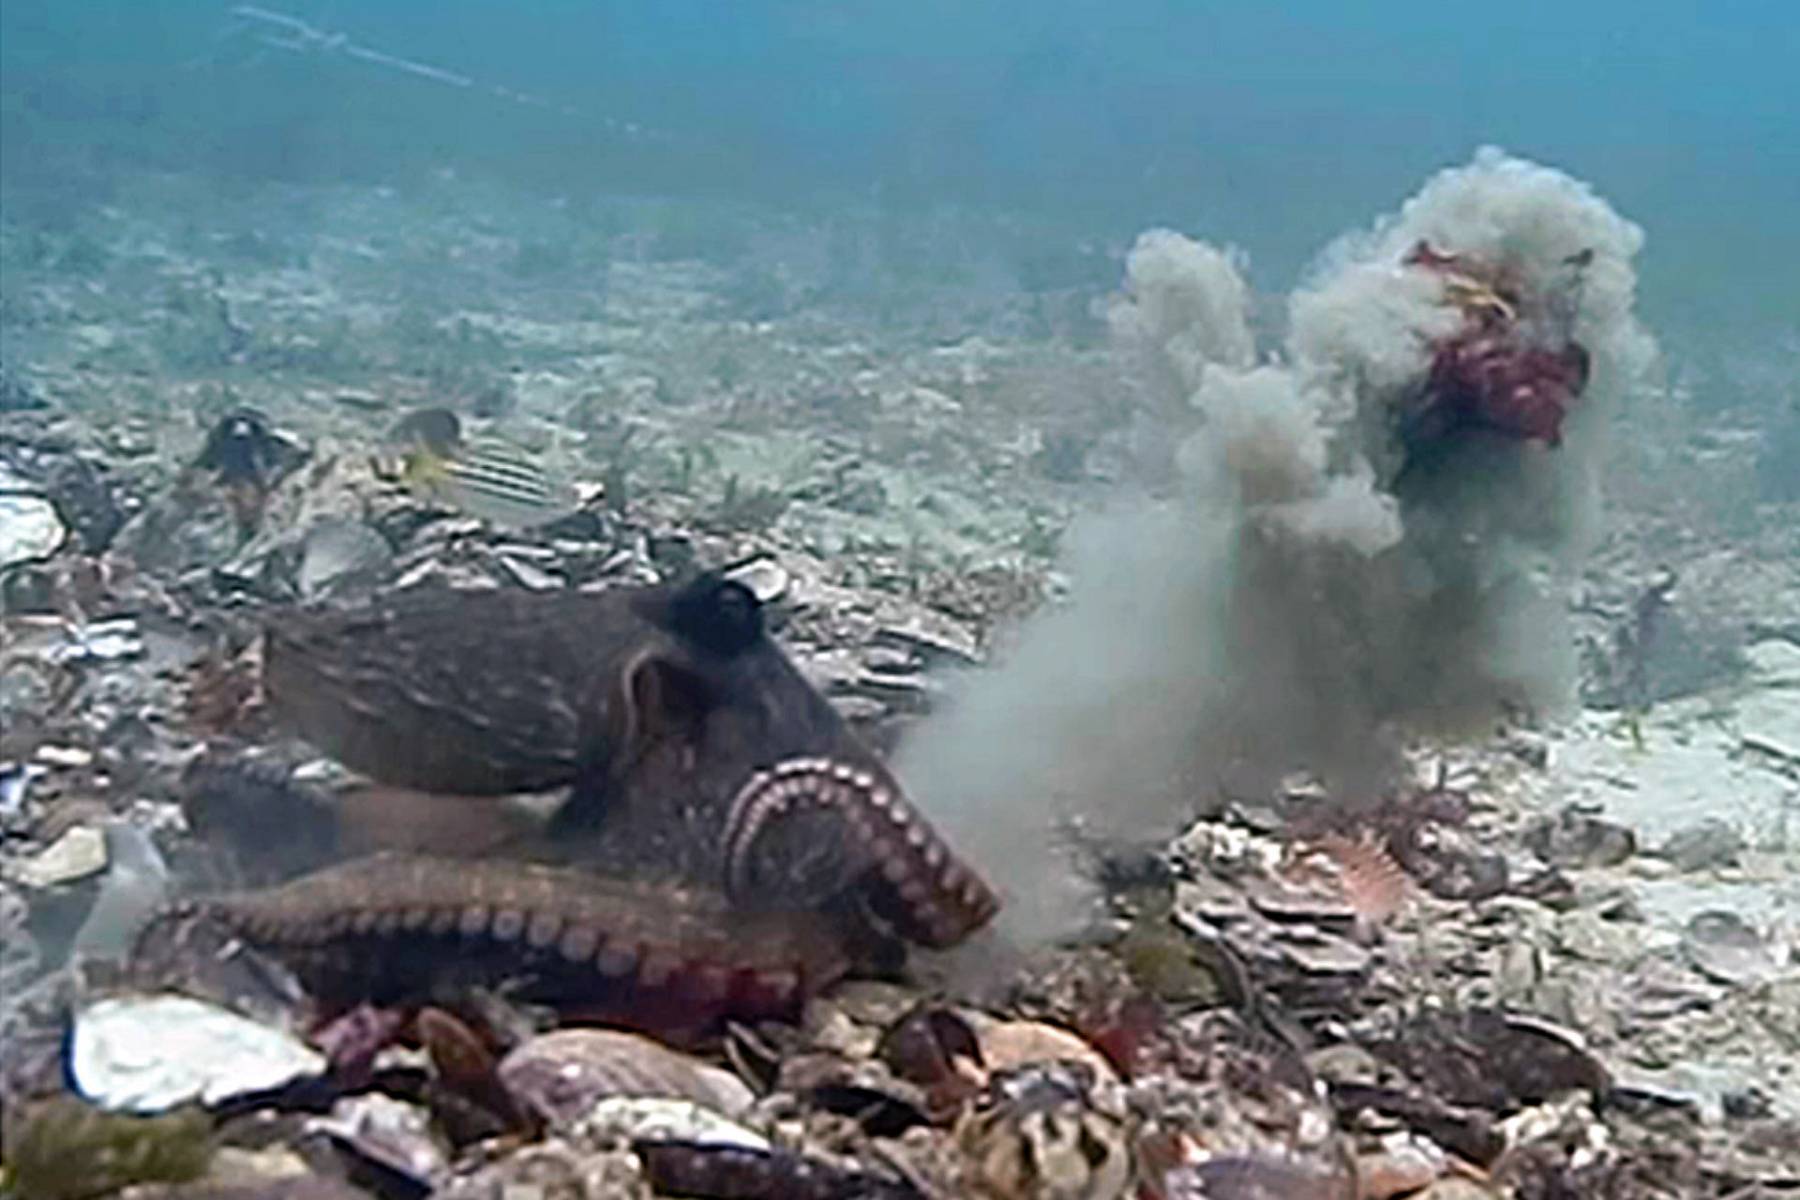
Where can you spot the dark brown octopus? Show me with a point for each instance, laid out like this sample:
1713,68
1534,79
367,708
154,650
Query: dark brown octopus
726,847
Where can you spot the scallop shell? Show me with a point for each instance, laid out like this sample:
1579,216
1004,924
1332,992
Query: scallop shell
339,553
564,1074
1008,1045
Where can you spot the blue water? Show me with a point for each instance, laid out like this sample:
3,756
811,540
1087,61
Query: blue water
1274,126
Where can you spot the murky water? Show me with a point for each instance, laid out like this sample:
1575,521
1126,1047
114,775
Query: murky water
1302,504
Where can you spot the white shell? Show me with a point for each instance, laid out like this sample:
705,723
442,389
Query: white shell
147,1054
29,529
78,853
767,579
653,1119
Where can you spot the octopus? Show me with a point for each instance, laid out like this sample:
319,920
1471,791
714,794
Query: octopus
1513,367
719,843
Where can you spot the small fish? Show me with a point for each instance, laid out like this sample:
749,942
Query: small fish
485,477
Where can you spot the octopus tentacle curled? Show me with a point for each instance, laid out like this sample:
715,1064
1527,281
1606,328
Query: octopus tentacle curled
686,865
938,900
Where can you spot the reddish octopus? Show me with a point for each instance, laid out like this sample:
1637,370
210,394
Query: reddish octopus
1513,367
727,846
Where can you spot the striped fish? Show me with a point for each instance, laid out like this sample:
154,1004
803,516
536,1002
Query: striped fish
485,477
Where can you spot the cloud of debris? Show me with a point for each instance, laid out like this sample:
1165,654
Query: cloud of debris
1348,563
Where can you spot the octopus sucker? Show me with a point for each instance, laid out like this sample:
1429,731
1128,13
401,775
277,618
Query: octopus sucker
734,835
508,924
579,942
900,844
544,930
578,936
619,960
707,985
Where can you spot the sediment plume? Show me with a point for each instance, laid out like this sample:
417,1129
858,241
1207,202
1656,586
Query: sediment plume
1323,586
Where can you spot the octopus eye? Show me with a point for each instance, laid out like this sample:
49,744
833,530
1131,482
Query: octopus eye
735,605
720,616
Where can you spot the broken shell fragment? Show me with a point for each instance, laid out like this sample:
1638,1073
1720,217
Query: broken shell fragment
388,1134
1322,954
15,785
767,580
77,854
562,1075
1008,1045
935,1048
29,529
339,554
1724,947
656,1119
148,1054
